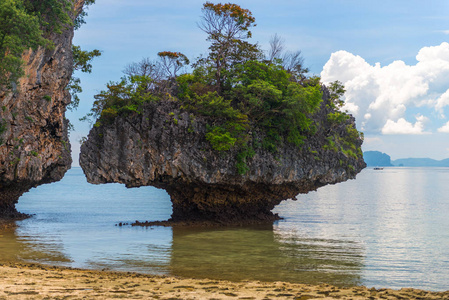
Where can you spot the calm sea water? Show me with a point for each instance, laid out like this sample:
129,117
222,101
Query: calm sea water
387,228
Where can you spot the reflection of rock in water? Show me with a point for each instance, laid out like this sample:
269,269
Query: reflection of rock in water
14,247
260,253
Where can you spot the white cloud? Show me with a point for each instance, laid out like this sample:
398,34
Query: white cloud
444,128
442,101
404,127
445,31
372,141
379,96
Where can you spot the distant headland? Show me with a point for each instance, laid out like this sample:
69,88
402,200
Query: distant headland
379,159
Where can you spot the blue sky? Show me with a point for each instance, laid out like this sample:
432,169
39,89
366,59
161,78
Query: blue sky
399,103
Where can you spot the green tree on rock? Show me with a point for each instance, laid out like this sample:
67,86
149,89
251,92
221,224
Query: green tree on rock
81,62
228,26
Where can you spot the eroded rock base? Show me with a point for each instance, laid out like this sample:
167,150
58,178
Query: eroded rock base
206,223
8,200
208,205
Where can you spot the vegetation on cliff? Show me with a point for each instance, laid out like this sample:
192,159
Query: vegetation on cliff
26,24
29,24
241,90
36,63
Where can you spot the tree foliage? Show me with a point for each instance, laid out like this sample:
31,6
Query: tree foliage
121,98
53,15
145,67
81,18
275,102
336,90
19,30
172,62
81,62
292,62
82,59
227,26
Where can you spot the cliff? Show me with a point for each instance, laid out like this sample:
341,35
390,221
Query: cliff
34,144
165,146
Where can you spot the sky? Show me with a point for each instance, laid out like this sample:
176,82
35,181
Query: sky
392,57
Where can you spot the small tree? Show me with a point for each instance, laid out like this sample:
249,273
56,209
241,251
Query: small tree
82,59
292,62
337,91
276,48
145,67
80,20
146,73
81,62
172,62
228,26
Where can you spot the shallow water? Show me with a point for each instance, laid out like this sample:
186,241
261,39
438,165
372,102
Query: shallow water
386,229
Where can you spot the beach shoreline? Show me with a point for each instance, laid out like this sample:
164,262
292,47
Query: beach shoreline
8,223
38,281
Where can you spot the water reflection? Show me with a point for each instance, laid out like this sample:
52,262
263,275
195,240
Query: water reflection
15,248
245,253
264,253
399,215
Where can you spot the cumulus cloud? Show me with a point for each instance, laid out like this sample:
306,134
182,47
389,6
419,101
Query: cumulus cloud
444,128
379,96
442,101
404,127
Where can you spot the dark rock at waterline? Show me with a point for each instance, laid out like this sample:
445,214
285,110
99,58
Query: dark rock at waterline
34,144
165,146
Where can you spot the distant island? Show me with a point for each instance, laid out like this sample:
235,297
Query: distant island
379,159
421,162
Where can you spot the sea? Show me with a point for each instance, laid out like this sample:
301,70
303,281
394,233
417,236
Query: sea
386,229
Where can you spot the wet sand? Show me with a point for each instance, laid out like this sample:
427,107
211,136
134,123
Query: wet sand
34,281
6,224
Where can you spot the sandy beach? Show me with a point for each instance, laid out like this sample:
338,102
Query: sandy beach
34,281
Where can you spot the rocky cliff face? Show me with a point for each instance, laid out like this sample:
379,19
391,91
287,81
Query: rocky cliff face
34,144
165,147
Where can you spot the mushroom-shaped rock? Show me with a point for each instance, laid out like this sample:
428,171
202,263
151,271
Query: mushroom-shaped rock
165,146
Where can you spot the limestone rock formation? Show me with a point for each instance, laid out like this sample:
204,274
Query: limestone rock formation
34,144
165,147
